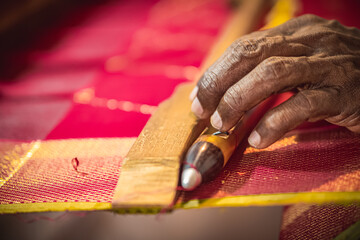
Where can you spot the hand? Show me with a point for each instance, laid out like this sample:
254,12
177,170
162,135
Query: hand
318,58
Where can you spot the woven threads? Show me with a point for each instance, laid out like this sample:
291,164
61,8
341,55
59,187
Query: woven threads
13,156
318,221
48,176
349,182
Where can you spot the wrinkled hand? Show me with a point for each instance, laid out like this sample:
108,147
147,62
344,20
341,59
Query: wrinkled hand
318,58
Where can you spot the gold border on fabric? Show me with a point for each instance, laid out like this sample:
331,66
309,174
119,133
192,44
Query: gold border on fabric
53,207
17,154
274,199
235,201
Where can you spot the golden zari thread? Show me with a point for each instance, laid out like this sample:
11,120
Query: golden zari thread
15,158
87,96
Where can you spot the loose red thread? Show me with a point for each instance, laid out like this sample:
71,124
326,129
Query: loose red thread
75,163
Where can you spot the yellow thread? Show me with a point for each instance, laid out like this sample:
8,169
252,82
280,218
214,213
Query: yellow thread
288,141
57,206
236,201
277,199
87,96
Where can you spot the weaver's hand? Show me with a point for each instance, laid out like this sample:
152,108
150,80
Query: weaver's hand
320,59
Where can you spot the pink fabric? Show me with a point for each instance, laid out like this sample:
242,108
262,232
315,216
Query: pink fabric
155,39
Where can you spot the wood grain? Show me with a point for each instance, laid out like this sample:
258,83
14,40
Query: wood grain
150,173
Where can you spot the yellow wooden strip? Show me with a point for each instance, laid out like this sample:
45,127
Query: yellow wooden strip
149,175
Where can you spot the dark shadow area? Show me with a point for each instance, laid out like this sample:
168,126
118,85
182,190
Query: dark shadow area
199,224
35,25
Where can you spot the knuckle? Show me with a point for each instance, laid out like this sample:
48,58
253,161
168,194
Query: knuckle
333,23
303,20
274,68
246,48
305,101
310,18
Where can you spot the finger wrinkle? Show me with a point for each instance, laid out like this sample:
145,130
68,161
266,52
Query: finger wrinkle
225,65
271,70
233,99
305,101
278,67
353,120
209,82
346,120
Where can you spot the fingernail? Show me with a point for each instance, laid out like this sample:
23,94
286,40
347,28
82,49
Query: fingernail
216,120
193,93
197,108
254,139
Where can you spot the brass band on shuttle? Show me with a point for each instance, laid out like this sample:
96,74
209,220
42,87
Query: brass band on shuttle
226,145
